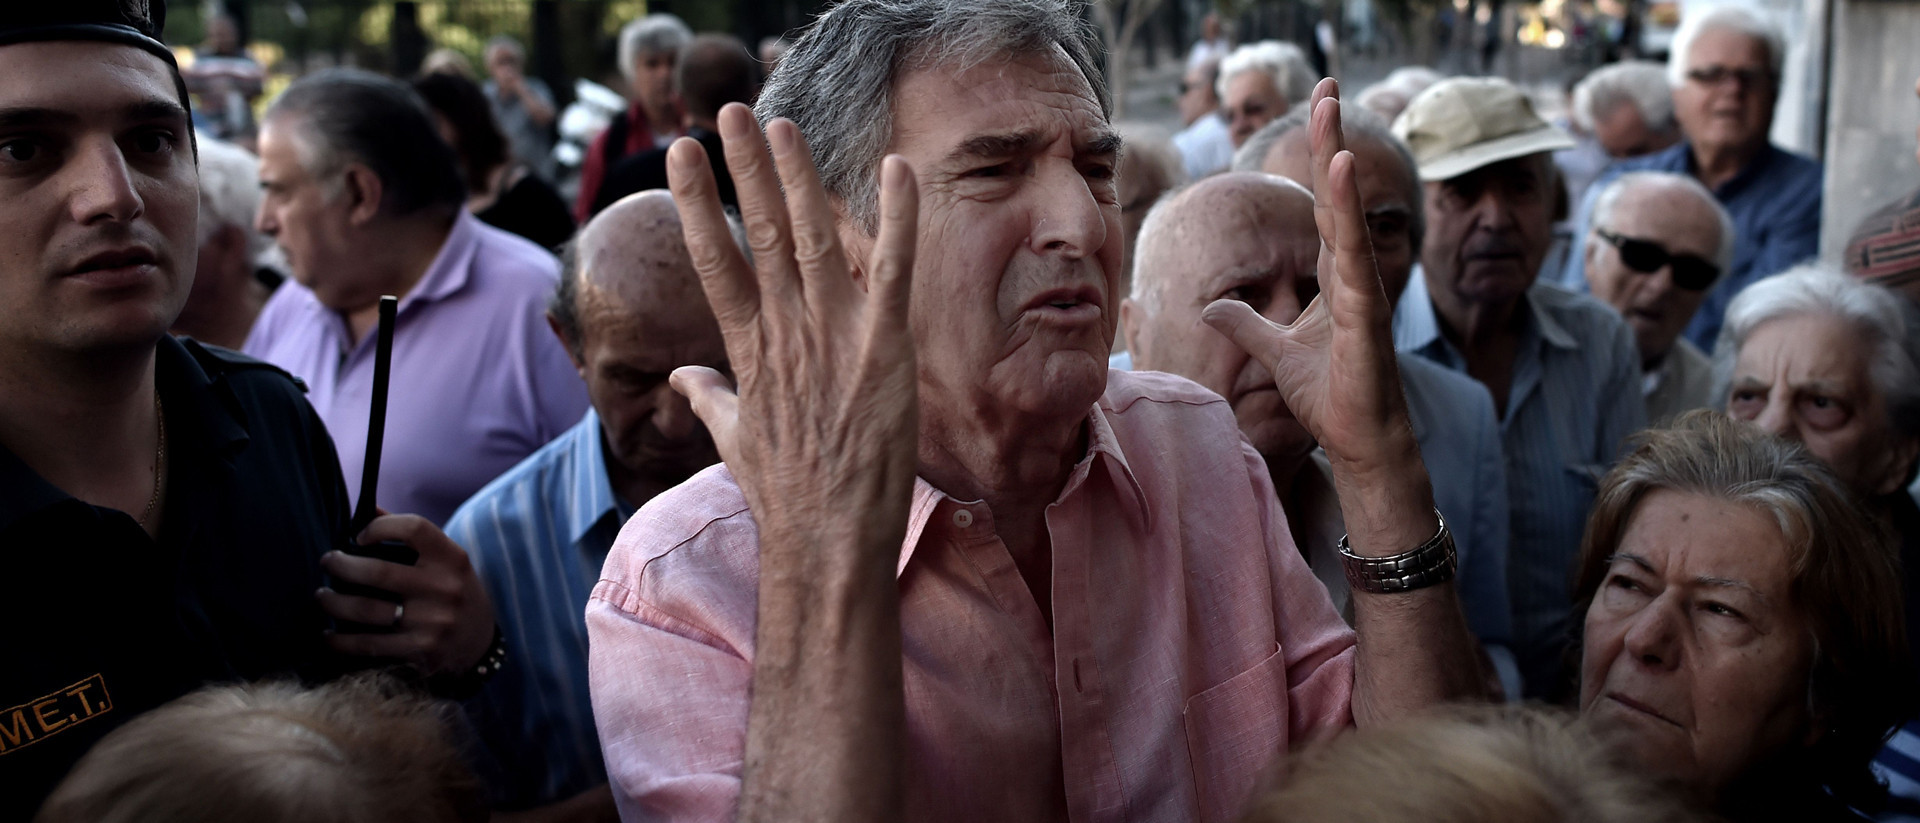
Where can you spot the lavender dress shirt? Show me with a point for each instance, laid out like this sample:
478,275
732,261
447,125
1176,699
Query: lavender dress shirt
479,380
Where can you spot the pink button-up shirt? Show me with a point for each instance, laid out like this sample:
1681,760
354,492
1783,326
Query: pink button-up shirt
1190,643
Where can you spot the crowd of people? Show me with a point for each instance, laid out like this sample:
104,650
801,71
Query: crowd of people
882,432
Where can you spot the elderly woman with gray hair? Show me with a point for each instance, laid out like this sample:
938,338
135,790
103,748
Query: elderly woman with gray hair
1743,632
1818,357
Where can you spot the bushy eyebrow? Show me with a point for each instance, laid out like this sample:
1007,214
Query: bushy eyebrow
1707,581
1014,144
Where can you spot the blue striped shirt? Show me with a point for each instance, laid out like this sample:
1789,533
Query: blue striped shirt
1575,396
538,536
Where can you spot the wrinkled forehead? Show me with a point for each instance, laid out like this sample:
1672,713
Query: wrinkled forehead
953,102
1256,220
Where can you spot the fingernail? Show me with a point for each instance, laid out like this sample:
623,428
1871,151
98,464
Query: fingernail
895,172
780,135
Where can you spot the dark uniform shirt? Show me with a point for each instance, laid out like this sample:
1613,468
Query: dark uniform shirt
102,622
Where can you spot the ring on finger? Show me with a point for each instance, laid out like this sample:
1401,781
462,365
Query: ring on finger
399,611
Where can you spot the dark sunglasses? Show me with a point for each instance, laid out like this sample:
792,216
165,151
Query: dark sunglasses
1645,256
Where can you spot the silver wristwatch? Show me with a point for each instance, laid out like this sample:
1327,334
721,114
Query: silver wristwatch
1429,564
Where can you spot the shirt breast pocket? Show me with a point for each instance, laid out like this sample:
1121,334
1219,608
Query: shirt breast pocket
1234,730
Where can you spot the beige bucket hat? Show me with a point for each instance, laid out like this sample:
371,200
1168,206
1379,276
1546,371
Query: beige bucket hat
1462,123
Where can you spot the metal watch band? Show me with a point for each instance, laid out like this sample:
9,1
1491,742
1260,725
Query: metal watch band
1429,564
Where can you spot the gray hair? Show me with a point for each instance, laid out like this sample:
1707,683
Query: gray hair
230,194
1355,124
1283,62
1887,321
355,116
652,34
1639,82
1738,19
508,43
837,83
1609,197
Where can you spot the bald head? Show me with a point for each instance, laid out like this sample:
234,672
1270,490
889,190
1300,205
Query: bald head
1246,236
630,310
630,265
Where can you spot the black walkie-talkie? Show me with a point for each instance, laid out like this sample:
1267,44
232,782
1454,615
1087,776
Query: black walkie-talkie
364,510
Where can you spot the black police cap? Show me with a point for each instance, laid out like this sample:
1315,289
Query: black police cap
136,23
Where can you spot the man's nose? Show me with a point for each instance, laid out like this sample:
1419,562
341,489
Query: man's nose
103,187
1653,638
673,414
1068,219
265,222
1493,210
1777,419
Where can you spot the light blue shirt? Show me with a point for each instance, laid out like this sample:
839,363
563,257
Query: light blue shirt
1775,206
1575,397
538,535
1453,422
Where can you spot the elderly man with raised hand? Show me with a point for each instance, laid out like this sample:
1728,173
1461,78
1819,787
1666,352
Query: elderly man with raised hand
1452,414
168,509
649,49
958,569
1658,243
1725,74
1258,83
629,309
366,200
230,284
1561,366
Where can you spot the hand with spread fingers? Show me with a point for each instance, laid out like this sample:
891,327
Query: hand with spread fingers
821,437
1334,367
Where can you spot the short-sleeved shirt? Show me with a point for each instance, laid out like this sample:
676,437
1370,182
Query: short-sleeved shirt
104,623
1189,643
537,537
1574,398
479,380
1775,206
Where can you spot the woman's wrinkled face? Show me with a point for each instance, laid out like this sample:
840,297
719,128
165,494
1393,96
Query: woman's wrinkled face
1695,650
1808,378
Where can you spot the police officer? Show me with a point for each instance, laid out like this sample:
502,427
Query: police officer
168,511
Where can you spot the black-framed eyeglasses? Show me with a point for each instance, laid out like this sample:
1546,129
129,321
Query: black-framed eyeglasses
1645,256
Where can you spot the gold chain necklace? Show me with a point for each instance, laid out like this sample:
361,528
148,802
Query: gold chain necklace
159,459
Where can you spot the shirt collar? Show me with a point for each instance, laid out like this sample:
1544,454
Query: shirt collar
592,494
1103,448
1548,326
199,414
1753,170
1416,325
451,268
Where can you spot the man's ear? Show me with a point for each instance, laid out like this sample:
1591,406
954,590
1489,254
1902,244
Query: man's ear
855,243
1130,317
1899,465
573,348
363,191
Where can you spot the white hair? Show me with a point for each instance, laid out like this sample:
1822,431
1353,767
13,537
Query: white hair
1641,83
1412,80
1738,19
230,193
652,34
1283,62
1609,197
1883,318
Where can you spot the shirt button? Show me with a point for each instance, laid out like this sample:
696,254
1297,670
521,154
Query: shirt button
963,518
